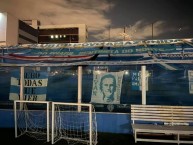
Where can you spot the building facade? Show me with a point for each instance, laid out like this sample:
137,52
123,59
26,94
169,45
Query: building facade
14,31
27,34
8,29
70,33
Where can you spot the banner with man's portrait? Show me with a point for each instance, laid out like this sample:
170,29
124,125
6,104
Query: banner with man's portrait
107,87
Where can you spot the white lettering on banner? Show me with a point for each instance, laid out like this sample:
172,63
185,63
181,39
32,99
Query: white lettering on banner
181,55
136,80
106,51
190,78
109,44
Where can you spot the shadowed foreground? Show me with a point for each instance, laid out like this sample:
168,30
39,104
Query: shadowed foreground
8,137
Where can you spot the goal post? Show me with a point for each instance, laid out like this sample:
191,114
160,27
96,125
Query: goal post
32,118
74,122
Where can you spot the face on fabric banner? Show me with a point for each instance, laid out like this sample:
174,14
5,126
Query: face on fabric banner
107,87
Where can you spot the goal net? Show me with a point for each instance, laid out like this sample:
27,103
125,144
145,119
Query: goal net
32,119
73,122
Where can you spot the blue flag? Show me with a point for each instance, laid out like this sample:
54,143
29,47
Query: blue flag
35,86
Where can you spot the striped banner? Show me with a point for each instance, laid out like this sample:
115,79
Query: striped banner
35,86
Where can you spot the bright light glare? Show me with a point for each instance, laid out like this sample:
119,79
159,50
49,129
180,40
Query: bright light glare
56,36
1,15
127,72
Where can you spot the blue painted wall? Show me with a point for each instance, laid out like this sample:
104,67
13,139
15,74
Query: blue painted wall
106,122
165,87
6,118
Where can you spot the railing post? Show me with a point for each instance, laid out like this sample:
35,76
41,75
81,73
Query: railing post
143,84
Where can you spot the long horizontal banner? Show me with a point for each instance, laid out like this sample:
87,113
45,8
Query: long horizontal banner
59,52
173,49
106,44
114,63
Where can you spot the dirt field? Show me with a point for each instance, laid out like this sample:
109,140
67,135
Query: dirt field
8,137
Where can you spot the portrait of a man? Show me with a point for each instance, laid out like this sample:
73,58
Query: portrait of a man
107,87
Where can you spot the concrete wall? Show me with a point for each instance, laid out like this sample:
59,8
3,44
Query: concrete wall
12,30
83,35
3,22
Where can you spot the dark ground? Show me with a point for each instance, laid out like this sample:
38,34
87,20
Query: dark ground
8,138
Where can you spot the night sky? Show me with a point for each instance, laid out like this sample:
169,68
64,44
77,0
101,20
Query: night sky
108,20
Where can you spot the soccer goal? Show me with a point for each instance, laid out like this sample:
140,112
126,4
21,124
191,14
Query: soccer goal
32,119
73,122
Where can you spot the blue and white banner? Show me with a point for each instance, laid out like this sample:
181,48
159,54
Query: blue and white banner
35,86
106,87
136,80
190,78
160,52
